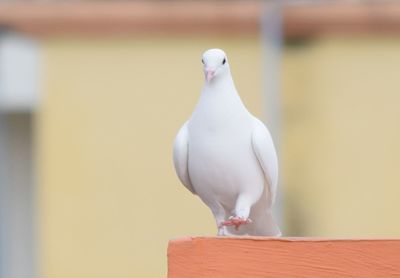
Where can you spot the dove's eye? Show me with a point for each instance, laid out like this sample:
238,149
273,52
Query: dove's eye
202,60
224,61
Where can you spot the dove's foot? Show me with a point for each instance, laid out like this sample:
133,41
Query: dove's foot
236,221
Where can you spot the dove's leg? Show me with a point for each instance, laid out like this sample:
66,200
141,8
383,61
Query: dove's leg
241,212
242,208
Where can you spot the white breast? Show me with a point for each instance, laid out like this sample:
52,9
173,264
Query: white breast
221,161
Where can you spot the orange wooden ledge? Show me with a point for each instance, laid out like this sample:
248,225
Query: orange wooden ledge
214,257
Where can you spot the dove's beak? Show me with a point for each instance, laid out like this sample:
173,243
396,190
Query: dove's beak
209,75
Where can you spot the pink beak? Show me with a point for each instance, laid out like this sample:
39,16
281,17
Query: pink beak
209,75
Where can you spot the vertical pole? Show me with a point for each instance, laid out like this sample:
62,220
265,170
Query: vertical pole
3,198
19,74
16,196
272,38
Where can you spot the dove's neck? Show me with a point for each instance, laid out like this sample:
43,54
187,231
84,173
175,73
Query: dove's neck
220,103
222,92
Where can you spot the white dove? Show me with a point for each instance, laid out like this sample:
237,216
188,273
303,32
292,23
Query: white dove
226,156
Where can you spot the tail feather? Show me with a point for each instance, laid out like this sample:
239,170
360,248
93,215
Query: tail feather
264,225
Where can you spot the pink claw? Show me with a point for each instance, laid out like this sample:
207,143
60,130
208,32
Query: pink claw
236,221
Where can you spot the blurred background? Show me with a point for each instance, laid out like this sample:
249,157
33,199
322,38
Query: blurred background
92,95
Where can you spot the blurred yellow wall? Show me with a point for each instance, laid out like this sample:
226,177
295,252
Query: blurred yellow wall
340,149
108,197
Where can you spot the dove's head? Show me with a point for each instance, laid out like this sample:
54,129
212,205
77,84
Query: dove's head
215,64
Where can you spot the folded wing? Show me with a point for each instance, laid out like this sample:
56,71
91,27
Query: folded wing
180,155
264,150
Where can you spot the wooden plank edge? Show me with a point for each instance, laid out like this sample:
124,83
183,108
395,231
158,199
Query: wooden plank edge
217,257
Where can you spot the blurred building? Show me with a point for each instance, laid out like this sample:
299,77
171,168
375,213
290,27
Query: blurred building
92,95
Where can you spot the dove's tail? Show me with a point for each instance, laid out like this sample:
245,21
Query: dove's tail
264,225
